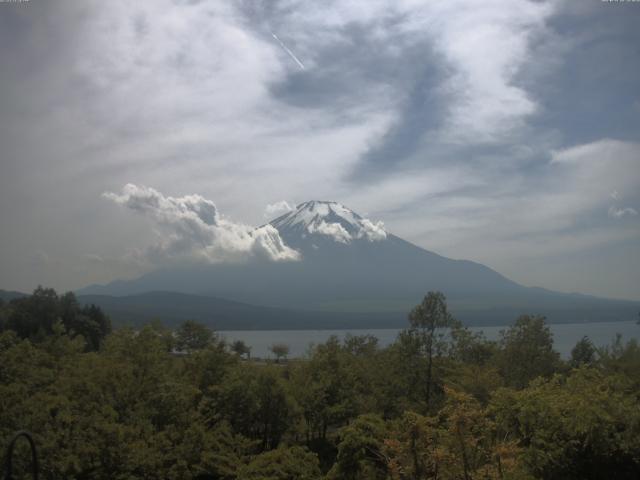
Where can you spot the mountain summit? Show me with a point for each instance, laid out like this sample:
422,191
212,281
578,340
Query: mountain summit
328,219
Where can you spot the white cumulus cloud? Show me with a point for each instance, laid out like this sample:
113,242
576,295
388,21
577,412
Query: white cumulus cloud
333,230
191,227
371,231
278,208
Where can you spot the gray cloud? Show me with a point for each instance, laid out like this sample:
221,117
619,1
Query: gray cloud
619,212
94,258
616,211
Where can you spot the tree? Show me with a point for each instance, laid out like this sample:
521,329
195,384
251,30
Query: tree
360,451
323,386
581,426
254,400
3,315
35,317
413,447
472,448
282,464
192,336
88,321
527,352
460,443
240,348
469,347
584,353
206,368
360,345
280,350
428,319
622,358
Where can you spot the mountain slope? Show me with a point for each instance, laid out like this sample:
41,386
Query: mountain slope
351,264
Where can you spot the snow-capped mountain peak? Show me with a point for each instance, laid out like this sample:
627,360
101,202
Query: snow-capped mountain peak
330,219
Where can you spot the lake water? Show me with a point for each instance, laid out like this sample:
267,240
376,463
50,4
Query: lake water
565,336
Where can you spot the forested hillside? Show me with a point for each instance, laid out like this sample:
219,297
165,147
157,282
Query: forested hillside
439,403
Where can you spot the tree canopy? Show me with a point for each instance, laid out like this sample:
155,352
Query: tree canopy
36,316
130,407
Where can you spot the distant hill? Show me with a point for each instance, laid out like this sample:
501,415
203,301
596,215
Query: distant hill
8,295
172,308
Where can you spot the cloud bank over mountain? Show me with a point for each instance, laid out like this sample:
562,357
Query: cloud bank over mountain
193,229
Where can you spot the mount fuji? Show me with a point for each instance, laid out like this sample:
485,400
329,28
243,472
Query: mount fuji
351,271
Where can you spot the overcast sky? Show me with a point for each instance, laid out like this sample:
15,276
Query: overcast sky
504,132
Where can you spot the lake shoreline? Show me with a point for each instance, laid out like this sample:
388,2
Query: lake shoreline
566,335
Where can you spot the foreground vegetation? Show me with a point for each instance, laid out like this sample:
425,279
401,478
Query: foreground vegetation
439,403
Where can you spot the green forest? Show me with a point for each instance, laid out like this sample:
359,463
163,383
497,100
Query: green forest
439,403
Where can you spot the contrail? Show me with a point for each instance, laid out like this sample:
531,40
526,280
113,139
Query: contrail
284,47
